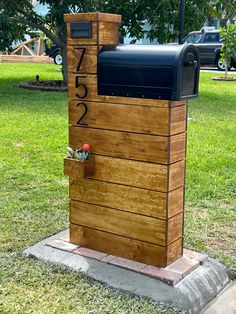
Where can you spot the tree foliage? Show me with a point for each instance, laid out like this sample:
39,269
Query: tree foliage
229,45
162,15
224,8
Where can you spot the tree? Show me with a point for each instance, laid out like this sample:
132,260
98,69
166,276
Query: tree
224,8
161,14
229,46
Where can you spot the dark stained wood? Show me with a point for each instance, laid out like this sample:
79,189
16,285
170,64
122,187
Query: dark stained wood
118,222
130,145
126,198
118,245
85,56
130,118
108,33
90,80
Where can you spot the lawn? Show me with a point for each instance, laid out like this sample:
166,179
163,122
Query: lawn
34,193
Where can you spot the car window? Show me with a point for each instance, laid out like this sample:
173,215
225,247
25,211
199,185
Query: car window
194,38
212,38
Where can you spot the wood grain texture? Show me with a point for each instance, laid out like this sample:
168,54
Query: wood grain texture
83,169
177,175
86,55
130,118
91,82
126,198
142,175
118,245
177,147
174,251
114,170
108,33
83,41
118,222
178,118
175,204
92,16
175,228
130,145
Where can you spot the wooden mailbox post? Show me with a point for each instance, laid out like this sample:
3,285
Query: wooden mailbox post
128,200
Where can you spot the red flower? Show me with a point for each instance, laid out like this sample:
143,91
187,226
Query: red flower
86,147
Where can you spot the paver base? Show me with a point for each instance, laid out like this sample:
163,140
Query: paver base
189,284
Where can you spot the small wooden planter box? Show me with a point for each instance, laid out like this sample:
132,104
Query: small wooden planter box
78,169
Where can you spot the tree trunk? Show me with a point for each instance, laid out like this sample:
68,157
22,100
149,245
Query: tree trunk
64,63
226,70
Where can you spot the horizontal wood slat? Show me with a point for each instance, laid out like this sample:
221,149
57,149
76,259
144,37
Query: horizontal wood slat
130,145
174,251
90,81
108,35
117,245
82,59
110,220
121,197
130,199
83,41
143,175
130,118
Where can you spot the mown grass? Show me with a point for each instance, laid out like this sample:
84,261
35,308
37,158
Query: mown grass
34,193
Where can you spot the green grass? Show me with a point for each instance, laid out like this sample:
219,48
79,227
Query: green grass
34,193
34,204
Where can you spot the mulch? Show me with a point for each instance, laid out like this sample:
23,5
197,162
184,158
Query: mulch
50,85
228,79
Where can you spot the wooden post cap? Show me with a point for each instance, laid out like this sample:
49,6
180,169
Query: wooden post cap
92,16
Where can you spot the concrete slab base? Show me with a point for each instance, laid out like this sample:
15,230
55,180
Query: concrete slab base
191,294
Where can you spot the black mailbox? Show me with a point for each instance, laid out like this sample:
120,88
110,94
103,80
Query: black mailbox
156,72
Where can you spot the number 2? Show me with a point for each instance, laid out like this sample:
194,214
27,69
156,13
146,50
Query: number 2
84,113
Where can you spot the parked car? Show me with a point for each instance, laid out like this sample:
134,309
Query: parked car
209,43
54,52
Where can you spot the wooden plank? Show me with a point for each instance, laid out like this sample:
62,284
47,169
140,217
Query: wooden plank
118,222
126,198
177,175
142,175
175,203
108,33
130,118
82,59
175,228
177,147
133,146
139,251
174,251
89,82
178,119
114,170
83,41
83,169
92,16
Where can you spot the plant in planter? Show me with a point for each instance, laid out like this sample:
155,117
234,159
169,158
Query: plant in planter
80,154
